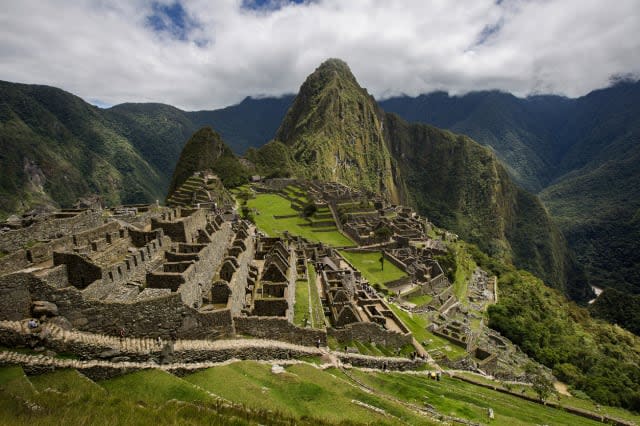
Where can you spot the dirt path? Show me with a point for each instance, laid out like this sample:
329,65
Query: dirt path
561,388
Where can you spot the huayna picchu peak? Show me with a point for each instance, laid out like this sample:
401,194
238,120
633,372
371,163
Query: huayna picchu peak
334,131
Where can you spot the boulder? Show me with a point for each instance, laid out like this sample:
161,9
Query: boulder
61,322
42,307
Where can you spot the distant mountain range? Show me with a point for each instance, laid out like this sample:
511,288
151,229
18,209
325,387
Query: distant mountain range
580,155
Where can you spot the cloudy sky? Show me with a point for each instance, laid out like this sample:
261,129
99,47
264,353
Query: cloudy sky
204,54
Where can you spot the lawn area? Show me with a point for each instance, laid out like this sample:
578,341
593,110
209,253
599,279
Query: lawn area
270,205
301,307
303,391
369,265
317,312
67,398
465,269
417,324
460,399
155,386
420,300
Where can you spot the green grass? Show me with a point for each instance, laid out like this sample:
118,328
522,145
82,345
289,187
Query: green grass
369,265
270,205
302,395
303,391
67,398
301,307
154,386
417,324
460,399
465,268
421,300
317,311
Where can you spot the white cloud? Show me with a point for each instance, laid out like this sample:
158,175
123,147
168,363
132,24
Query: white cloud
108,51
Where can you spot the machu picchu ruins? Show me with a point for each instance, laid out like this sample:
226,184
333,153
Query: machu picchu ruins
198,271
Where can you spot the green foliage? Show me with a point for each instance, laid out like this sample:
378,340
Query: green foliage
597,358
449,264
334,132
205,150
272,160
461,186
542,384
619,308
309,210
383,233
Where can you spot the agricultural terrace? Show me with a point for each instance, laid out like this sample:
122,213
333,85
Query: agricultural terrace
274,215
368,263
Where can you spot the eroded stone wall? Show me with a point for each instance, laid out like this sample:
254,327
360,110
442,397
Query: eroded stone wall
372,333
164,316
278,329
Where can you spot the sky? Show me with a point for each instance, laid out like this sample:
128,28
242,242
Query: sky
206,54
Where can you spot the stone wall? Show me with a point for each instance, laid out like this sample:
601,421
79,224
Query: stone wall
83,272
85,238
380,363
278,329
184,229
13,262
44,250
48,229
15,300
270,307
164,316
195,282
239,279
369,332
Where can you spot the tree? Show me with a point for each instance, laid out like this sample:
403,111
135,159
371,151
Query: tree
542,384
309,209
383,233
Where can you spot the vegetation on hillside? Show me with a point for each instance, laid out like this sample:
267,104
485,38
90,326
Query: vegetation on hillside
56,148
582,154
461,186
334,132
619,308
592,356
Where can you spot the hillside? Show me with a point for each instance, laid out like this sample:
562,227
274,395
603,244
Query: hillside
462,186
56,147
251,123
334,131
581,154
205,150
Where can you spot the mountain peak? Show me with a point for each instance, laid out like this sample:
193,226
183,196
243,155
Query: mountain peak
335,132
332,73
203,151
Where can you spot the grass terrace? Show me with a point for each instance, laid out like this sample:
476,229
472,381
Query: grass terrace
420,300
302,394
417,324
267,206
308,305
457,398
369,265
303,391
